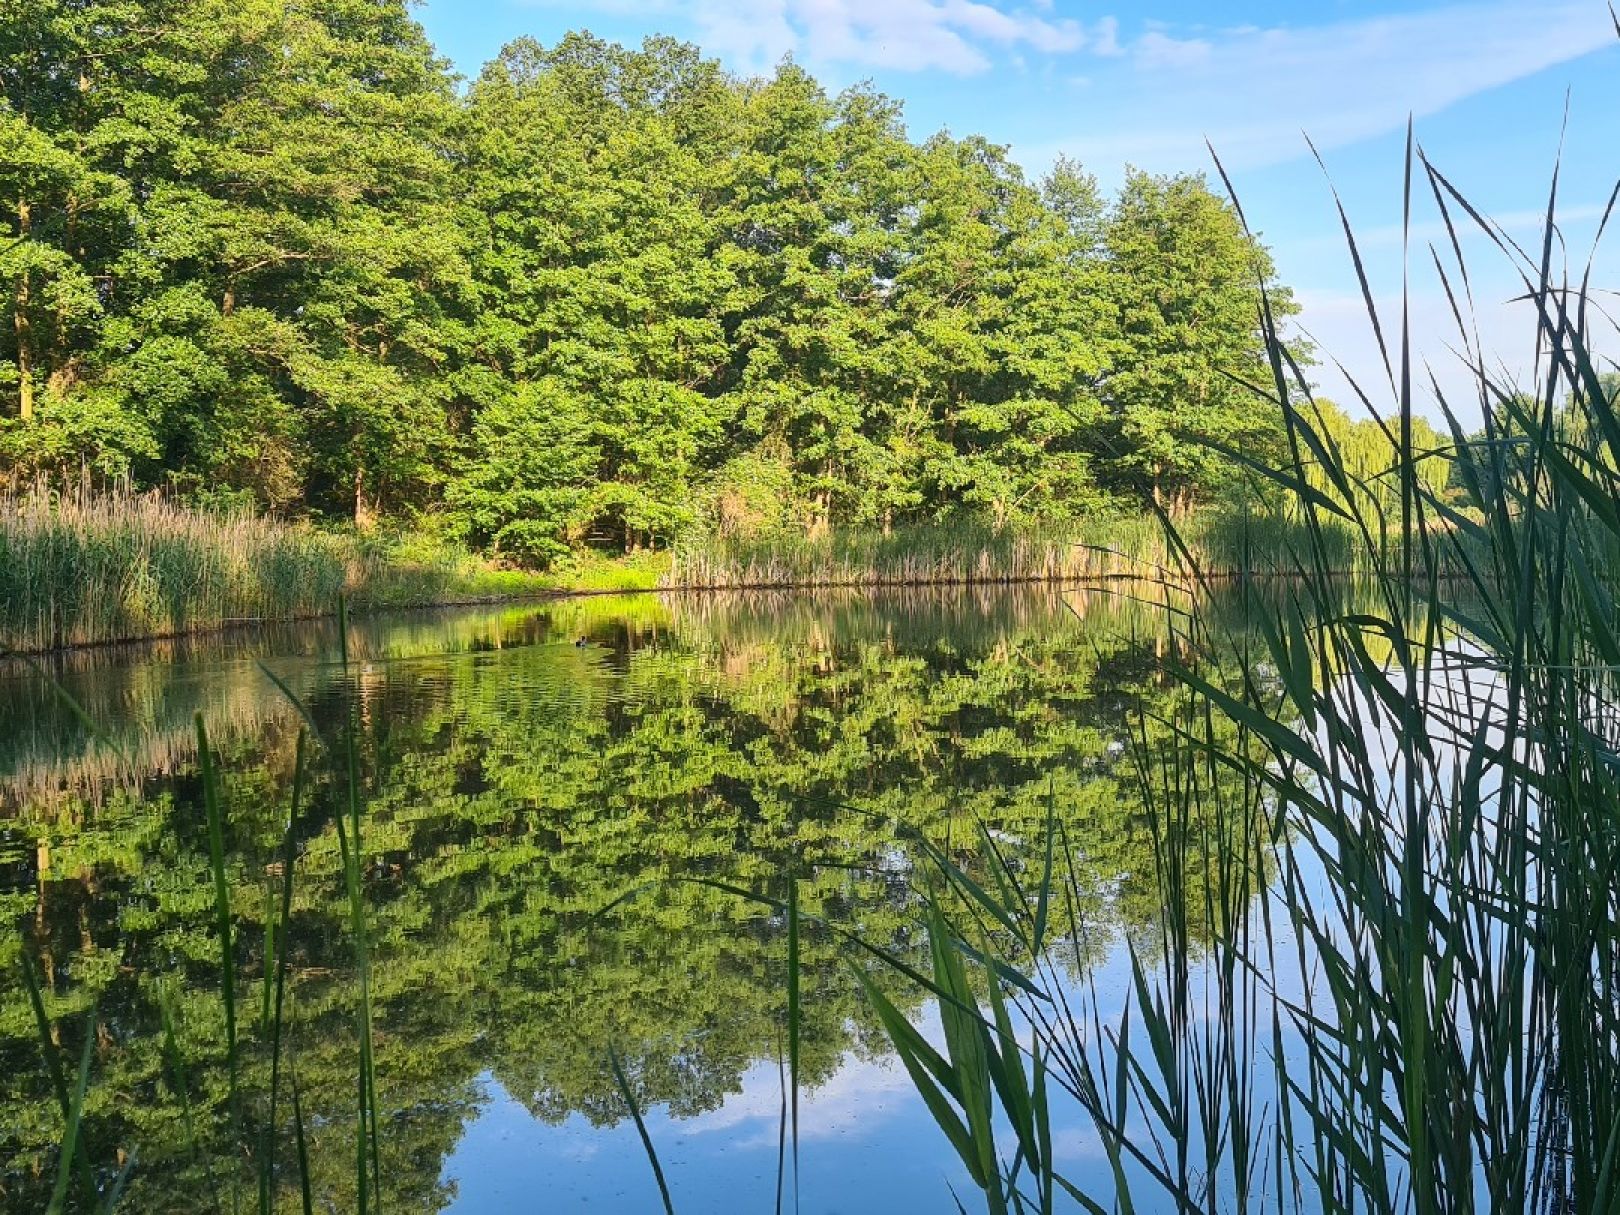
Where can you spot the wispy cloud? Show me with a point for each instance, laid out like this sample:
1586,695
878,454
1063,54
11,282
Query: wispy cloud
1157,49
1506,327
1105,38
860,1095
955,36
1253,91
1572,221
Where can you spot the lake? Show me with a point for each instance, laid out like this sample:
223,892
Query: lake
563,805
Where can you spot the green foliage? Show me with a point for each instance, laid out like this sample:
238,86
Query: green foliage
609,298
1182,278
237,219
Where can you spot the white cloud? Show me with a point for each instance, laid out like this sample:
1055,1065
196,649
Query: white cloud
1338,321
1105,38
858,1096
1253,92
765,37
1156,49
957,36
1573,222
905,35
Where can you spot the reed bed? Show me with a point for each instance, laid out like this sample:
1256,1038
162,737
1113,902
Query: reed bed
85,568
80,568
1401,994
1224,541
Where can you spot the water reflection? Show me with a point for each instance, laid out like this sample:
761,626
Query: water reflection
523,769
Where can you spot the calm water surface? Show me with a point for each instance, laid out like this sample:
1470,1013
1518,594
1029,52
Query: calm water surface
523,769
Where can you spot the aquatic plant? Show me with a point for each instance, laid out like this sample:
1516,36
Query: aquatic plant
1227,540
1422,1014
84,567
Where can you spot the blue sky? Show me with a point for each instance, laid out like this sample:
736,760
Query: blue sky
1146,84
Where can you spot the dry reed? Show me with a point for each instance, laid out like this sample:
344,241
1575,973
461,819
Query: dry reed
83,568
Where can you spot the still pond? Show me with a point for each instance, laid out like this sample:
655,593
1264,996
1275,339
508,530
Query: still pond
524,770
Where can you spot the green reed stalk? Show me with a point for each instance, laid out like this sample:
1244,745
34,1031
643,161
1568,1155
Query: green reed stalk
214,807
1385,976
795,1017
629,1096
367,1167
276,960
175,1062
75,1113
53,1062
301,1143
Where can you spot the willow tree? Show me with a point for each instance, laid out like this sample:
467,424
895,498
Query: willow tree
1369,452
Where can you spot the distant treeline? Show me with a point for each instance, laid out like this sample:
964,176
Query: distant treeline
272,252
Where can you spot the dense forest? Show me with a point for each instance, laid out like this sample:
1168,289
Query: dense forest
258,251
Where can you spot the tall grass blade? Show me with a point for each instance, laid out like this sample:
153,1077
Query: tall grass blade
623,1084
53,1061
794,1022
350,845
278,962
213,805
70,1135
115,1192
305,1193
181,1088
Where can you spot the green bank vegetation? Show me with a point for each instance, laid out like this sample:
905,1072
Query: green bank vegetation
1225,543
83,568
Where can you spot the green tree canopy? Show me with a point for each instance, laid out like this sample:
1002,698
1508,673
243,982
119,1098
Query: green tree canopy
603,297
1184,280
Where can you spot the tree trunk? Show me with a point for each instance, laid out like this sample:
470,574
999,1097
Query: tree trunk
25,359
19,320
42,869
42,934
821,518
365,513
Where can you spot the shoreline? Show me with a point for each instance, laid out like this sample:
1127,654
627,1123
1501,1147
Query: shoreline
246,623
541,595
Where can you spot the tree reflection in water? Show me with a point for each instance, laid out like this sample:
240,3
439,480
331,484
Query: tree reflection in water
517,784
